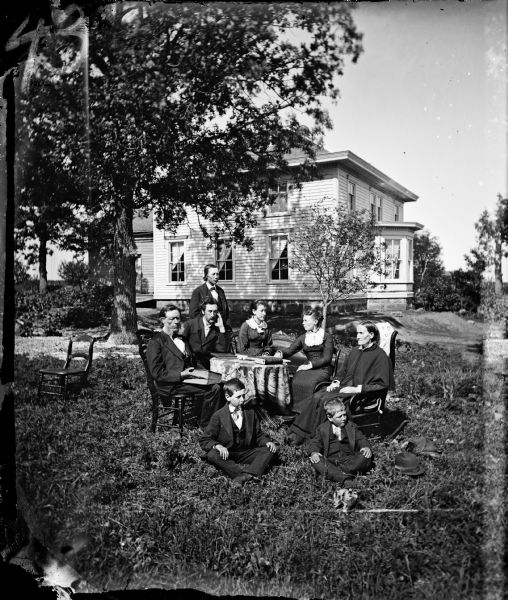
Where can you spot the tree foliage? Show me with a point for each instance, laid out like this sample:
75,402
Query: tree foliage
73,272
437,290
193,106
50,198
492,240
337,248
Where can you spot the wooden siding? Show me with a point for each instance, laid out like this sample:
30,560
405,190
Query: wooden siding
251,277
251,269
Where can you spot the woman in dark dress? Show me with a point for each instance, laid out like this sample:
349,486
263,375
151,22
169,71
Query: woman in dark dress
317,345
255,337
366,371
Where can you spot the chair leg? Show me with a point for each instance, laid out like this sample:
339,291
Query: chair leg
155,413
64,382
179,408
39,387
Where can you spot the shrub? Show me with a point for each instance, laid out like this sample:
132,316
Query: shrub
73,272
63,307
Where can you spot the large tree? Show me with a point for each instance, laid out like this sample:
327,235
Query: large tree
338,250
428,267
193,106
492,240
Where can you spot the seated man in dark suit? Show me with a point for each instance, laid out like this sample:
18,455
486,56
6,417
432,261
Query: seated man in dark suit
233,439
206,334
171,362
210,288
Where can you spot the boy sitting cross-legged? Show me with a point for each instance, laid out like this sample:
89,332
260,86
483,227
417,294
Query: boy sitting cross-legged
339,450
233,438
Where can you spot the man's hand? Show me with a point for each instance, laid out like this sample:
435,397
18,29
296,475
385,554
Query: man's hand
315,456
367,452
186,372
271,446
223,451
333,386
278,354
220,323
305,367
351,389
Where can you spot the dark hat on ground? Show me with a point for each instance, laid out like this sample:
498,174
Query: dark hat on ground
408,464
424,446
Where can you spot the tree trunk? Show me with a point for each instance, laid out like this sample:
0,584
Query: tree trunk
325,311
498,270
123,318
43,271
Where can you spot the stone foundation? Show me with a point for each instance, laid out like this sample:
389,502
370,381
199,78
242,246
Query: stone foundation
292,308
388,304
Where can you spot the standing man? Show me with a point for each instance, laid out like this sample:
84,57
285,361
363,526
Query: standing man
210,288
171,362
206,334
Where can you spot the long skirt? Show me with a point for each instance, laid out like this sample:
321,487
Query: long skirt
303,386
305,425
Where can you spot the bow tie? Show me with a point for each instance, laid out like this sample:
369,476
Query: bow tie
237,411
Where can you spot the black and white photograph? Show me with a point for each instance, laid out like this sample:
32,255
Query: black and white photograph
253,270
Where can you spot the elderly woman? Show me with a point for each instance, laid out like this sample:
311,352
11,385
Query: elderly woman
367,371
255,337
317,345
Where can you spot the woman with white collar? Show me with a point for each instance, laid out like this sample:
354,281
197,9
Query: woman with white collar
317,345
366,372
255,337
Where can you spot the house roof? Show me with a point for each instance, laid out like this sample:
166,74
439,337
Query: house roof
142,224
358,166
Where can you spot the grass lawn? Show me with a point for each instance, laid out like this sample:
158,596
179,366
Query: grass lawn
157,515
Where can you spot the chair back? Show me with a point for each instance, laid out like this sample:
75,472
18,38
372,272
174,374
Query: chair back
144,336
83,353
336,352
387,335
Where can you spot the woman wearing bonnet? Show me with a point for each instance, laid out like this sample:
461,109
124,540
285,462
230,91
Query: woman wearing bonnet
317,345
255,337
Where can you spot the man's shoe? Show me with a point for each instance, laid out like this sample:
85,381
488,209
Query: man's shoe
241,479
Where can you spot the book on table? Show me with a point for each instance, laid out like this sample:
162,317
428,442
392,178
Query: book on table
268,360
204,377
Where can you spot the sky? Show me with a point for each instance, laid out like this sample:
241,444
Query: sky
426,104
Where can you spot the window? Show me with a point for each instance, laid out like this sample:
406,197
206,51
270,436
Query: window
410,260
176,261
139,274
280,195
392,259
279,263
376,207
224,260
351,192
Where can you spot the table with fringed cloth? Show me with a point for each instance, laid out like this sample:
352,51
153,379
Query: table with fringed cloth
266,385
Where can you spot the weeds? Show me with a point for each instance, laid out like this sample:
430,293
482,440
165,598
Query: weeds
157,514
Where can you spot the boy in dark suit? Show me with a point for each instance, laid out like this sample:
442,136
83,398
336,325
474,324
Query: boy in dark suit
206,333
210,288
339,450
171,362
233,439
